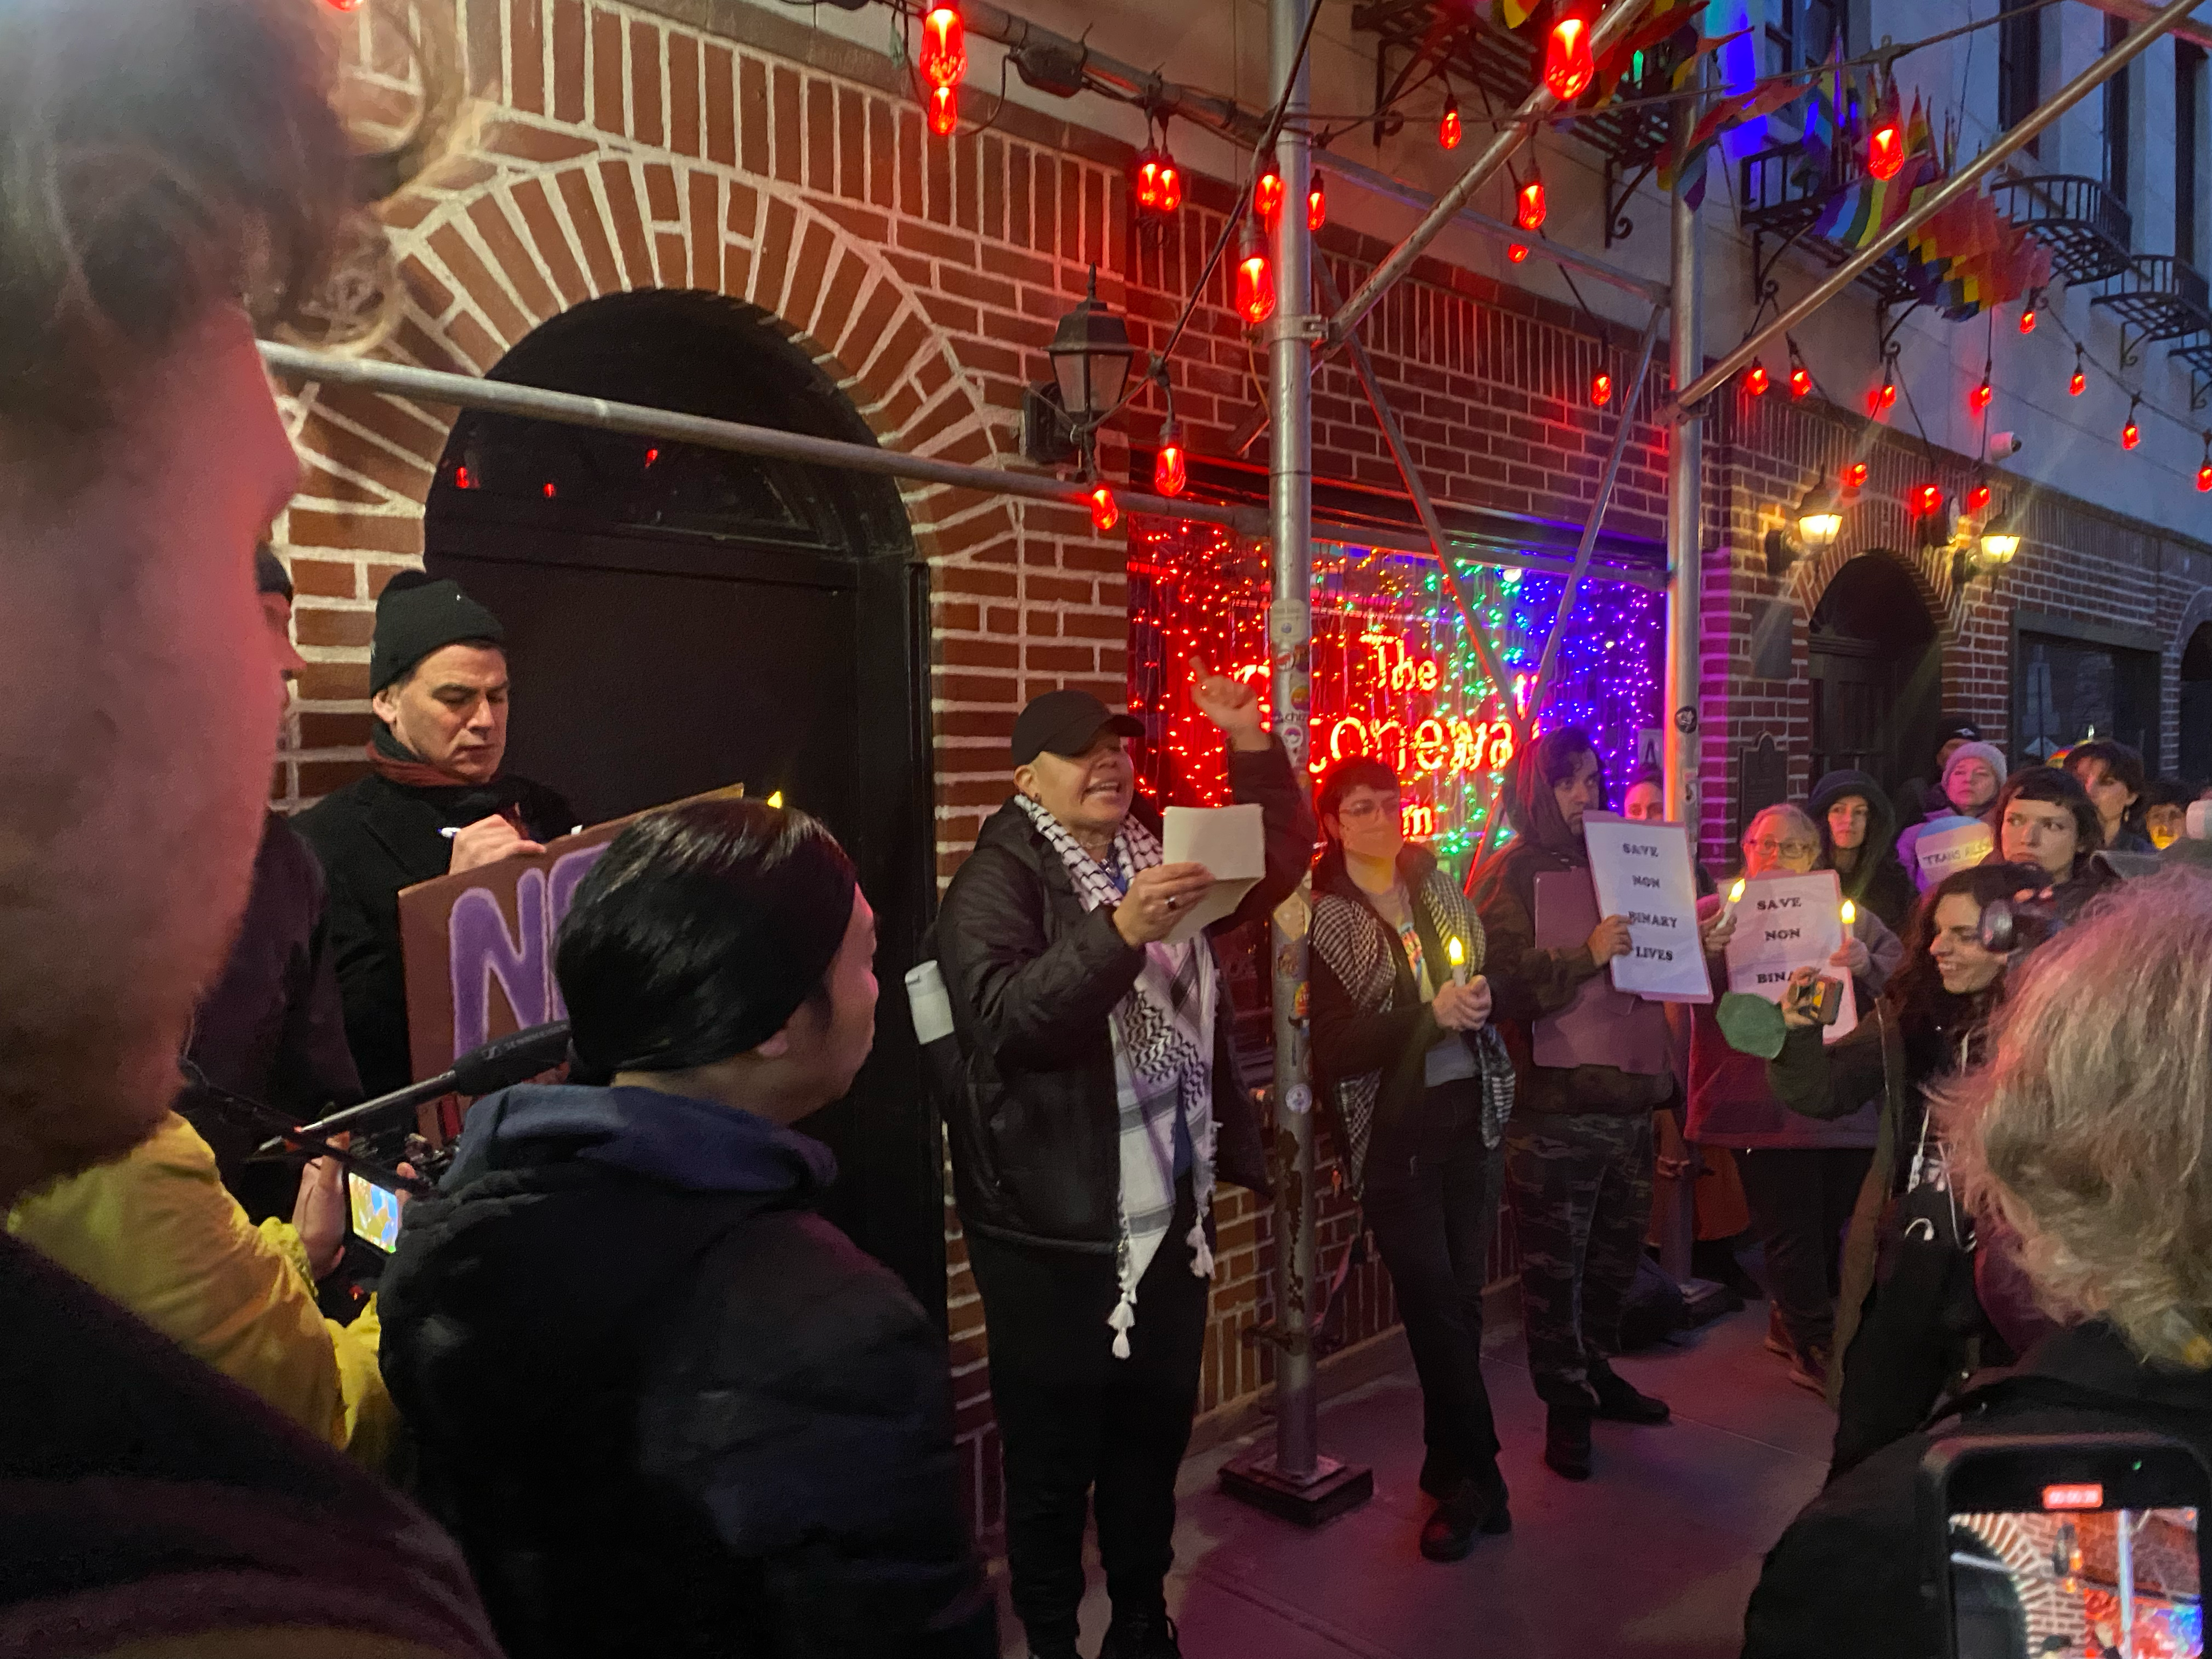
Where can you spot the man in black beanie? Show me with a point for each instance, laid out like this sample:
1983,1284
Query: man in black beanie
666,1407
435,801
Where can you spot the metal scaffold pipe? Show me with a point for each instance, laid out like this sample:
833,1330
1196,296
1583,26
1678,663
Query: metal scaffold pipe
1969,178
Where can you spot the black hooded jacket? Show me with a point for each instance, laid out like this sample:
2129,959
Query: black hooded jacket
1877,880
1032,975
666,1407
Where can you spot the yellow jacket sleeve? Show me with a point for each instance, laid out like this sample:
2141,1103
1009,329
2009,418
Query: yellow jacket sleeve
156,1231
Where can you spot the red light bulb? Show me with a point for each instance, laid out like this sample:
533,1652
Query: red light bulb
1170,474
943,45
2078,384
1317,206
1148,184
1529,215
463,479
1855,475
1568,66
1926,499
2204,476
1255,281
1885,151
549,491
1801,381
1977,498
2130,435
2027,321
1267,195
1105,515
944,110
1980,396
1448,127
1170,186
1516,251
1601,389
1754,379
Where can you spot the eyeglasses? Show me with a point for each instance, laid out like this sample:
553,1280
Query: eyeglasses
1771,847
1365,812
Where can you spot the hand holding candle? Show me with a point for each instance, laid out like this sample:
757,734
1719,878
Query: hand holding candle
1457,952
1853,956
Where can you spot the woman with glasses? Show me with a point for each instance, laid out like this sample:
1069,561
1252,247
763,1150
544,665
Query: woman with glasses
1800,1174
1421,1086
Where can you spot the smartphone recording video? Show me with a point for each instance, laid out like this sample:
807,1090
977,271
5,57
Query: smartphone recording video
2085,1546
375,1211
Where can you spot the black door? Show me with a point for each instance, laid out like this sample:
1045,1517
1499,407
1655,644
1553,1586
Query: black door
2195,713
1874,675
680,619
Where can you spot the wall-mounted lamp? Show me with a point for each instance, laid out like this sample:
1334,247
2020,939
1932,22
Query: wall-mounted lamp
1819,521
1984,554
1091,356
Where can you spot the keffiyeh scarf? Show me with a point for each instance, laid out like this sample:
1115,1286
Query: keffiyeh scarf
1163,1033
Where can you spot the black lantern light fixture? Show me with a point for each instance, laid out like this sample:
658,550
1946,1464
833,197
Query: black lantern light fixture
1817,522
1091,356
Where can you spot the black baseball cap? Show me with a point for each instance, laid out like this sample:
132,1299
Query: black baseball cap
1064,722
1956,727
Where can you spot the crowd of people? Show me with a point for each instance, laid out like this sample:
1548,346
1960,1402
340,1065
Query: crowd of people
639,1396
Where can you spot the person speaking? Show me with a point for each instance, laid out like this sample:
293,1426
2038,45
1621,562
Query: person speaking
1102,1096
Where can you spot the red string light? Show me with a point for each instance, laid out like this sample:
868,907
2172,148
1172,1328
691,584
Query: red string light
1801,381
1754,378
1255,280
1170,477
1448,130
1267,195
1927,500
1855,475
1104,514
1157,185
1602,388
1516,251
944,45
1880,400
1885,149
463,479
1317,206
1568,63
2080,382
1977,498
2027,318
944,110
1978,398
1529,214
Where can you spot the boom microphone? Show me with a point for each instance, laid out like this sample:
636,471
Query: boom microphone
500,1064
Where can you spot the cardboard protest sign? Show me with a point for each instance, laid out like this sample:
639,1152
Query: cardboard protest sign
1948,844
1784,923
1603,1025
477,947
1643,871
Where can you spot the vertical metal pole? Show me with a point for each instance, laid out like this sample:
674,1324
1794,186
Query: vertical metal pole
2123,1532
1685,516
1289,507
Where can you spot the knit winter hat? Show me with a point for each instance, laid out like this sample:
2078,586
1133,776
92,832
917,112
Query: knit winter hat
1988,753
418,615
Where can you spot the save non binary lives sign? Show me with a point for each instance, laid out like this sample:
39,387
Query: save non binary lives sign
479,946
1784,923
1642,872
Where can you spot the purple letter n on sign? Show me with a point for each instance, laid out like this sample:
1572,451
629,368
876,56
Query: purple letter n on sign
483,950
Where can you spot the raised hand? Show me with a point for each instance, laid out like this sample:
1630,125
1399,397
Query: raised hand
1230,704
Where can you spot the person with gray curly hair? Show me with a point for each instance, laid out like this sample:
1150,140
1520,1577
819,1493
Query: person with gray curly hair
2085,1132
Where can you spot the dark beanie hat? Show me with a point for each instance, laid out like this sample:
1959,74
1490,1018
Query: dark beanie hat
418,615
268,573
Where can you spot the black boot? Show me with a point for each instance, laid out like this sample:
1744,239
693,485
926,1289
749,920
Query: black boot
1619,1401
1440,1475
1567,1436
1478,1505
1147,1635
1054,1644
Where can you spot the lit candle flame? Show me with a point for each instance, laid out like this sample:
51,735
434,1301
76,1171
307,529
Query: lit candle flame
1850,913
1736,891
776,800
1452,949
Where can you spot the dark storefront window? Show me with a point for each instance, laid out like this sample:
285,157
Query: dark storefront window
2020,65
2066,691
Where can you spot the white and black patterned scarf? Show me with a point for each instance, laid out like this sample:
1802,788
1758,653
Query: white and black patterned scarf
1357,944
1163,1033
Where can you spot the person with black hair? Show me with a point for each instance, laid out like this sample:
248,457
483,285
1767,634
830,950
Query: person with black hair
434,800
1421,1088
2166,804
1578,1152
664,1406
2115,778
1858,842
2045,819
1102,1099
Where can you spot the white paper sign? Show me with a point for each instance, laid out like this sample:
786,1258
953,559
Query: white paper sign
1784,923
1642,871
1948,844
1230,841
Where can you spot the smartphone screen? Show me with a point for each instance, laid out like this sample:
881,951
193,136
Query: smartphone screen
376,1212
2078,1574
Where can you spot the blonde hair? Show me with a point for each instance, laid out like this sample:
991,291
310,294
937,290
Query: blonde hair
1794,816
2087,1128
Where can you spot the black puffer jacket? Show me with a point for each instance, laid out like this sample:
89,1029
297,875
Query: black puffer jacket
1876,880
666,1407
1032,975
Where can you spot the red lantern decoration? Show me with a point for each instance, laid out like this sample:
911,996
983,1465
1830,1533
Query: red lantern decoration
2027,319
1855,475
1255,280
1158,186
1886,148
1568,65
1754,378
2130,435
944,45
944,109
1516,251
1926,499
1977,498
1529,214
1317,206
1449,131
1267,195
1978,398
1170,475
1801,381
2077,385
2204,476
1602,389
1104,514
1880,400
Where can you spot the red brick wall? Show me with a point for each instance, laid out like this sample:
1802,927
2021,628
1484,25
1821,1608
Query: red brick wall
623,151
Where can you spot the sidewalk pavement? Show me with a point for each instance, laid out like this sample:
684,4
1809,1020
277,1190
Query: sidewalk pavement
1651,1559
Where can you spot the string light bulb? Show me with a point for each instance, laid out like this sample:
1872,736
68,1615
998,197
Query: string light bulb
2131,435
2028,313
1531,207
2204,472
1516,251
1978,398
1171,473
2080,382
943,45
1267,195
1977,498
1880,400
1601,388
1104,514
1255,280
1448,130
1886,148
1927,500
1801,378
944,109
1855,475
1754,378
1569,66
1316,205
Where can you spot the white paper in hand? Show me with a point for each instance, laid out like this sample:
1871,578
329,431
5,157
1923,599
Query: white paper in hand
1230,841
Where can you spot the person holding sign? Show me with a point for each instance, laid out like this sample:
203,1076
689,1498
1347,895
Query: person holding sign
1102,1096
1578,1150
1972,778
1421,1086
1800,1176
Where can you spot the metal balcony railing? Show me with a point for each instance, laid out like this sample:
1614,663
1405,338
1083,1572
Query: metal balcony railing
2156,296
1784,194
2088,232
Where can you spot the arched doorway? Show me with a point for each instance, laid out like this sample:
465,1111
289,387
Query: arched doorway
1875,675
2196,714
681,618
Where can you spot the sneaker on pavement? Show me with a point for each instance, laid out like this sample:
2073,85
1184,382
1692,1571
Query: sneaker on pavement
1619,1401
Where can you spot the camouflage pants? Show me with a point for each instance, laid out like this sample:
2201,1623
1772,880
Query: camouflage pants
1582,1200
